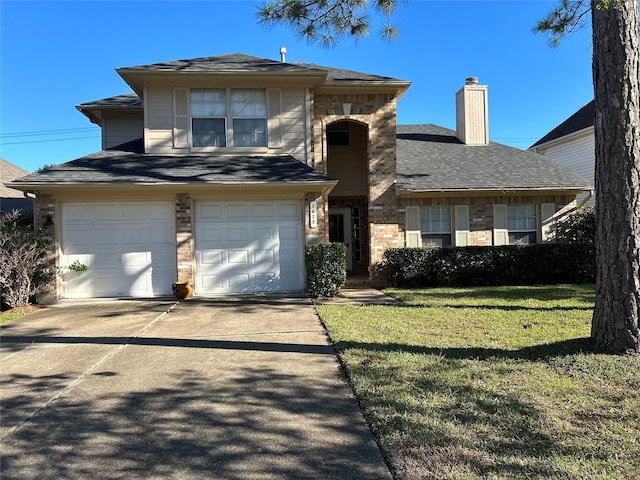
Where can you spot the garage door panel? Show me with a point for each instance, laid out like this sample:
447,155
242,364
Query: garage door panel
106,236
238,256
289,211
237,234
105,212
131,246
241,247
237,212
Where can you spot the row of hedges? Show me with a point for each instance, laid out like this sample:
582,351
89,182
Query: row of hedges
477,266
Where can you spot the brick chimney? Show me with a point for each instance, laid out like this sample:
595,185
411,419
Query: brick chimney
472,117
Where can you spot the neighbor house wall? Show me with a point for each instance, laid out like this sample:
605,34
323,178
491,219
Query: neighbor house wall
576,153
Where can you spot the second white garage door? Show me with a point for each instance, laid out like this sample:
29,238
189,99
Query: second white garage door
249,247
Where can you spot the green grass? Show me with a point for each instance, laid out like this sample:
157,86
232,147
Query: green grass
6,317
491,383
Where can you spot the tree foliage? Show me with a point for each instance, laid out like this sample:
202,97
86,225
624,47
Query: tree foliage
327,21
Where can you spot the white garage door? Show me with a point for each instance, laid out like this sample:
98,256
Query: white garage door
130,249
249,247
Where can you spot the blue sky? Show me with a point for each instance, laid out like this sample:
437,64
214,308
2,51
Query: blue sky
55,55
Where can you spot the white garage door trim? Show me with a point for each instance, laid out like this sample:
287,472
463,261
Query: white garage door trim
249,246
128,247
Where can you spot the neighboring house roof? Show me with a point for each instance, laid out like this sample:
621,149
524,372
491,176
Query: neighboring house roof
580,120
10,198
432,159
126,167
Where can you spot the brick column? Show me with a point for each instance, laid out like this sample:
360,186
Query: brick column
184,237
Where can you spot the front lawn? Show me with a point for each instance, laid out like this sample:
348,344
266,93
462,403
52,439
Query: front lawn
488,383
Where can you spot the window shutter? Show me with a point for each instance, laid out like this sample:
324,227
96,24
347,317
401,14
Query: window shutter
547,211
462,225
181,118
274,118
413,237
500,231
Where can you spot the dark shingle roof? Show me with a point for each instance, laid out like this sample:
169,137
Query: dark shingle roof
580,120
121,167
241,63
131,100
234,62
431,158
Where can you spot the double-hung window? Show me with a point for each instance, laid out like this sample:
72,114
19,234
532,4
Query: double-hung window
208,117
249,117
228,117
522,224
435,226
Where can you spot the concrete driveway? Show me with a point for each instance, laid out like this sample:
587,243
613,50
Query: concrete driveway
228,388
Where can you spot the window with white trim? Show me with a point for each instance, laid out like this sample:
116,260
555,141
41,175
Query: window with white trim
249,113
435,226
208,117
522,224
228,117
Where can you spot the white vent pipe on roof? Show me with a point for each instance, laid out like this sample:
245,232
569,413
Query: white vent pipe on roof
283,53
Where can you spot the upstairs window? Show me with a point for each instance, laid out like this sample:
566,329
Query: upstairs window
228,117
522,224
435,226
249,117
208,117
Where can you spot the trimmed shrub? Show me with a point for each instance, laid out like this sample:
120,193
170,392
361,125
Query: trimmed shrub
326,268
478,266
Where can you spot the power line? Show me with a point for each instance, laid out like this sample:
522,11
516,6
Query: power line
47,132
52,140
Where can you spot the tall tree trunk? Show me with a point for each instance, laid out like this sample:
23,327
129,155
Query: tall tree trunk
616,68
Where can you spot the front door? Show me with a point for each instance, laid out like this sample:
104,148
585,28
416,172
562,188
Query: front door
340,230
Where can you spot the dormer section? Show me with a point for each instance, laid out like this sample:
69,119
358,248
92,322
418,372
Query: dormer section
472,117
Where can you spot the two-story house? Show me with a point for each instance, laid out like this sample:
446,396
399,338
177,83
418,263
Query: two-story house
219,171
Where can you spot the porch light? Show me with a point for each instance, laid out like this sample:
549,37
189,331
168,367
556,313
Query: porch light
346,108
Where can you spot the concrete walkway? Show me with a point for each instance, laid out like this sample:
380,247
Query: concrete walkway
227,388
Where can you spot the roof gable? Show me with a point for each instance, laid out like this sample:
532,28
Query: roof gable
580,120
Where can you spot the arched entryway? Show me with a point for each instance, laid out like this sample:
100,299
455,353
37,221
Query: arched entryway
347,153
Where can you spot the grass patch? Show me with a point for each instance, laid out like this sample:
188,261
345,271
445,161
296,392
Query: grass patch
6,317
491,383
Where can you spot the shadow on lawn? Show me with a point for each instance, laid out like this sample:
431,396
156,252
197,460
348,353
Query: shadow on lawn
536,352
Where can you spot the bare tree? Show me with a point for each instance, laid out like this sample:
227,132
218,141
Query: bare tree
617,119
25,263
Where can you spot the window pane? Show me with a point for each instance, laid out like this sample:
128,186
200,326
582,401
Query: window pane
248,103
208,132
435,220
208,102
436,240
249,132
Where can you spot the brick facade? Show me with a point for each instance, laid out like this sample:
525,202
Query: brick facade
481,211
378,113
184,237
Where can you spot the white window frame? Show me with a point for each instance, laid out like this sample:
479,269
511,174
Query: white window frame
229,118
515,214
424,233
222,117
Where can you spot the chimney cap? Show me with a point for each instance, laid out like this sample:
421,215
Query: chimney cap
471,81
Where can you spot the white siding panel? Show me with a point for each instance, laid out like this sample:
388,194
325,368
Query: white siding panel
577,155
160,118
